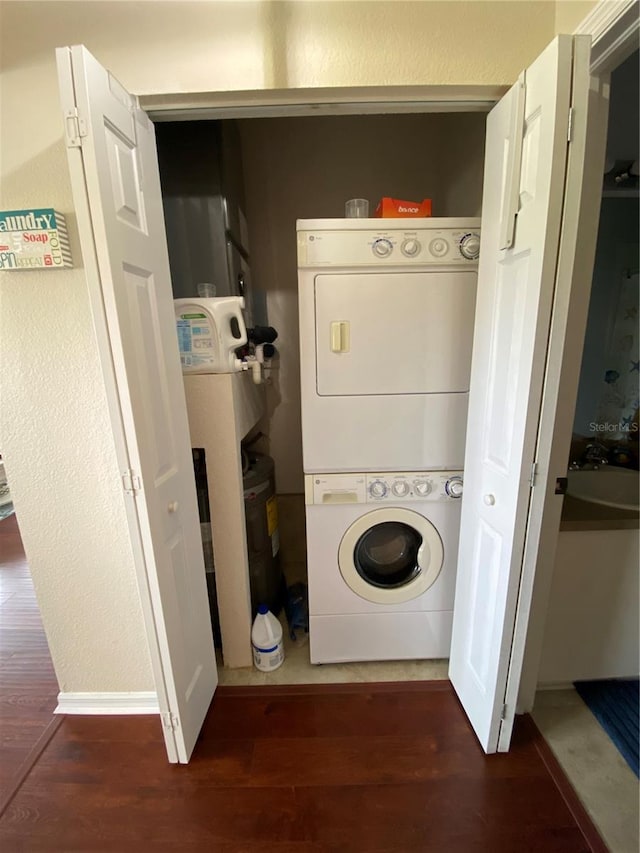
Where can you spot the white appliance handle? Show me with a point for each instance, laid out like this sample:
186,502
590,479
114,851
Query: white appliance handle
340,336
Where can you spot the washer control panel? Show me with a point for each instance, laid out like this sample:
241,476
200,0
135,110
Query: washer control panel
392,242
417,486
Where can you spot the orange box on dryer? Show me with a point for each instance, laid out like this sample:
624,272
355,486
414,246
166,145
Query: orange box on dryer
395,208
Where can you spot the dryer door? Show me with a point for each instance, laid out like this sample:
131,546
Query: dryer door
390,555
394,333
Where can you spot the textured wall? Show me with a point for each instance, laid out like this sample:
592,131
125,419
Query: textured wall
570,13
210,46
306,168
64,482
54,424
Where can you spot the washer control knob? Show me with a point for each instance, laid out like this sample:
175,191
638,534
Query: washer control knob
453,487
378,489
469,246
382,247
400,488
411,248
423,487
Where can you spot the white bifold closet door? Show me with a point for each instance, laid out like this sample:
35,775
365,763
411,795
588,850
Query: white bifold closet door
535,137
116,191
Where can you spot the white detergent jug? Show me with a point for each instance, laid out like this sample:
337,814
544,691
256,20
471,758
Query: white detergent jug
210,330
266,640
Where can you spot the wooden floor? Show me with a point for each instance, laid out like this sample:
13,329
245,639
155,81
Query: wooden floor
391,768
28,686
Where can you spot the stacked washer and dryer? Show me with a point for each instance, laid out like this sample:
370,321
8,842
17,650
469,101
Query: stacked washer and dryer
386,331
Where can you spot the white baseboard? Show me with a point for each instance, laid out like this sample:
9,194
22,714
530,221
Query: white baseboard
108,703
555,685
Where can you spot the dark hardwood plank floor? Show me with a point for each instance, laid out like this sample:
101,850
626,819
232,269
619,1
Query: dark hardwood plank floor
28,686
335,771
380,768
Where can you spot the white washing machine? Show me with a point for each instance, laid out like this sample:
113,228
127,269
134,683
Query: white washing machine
386,331
382,554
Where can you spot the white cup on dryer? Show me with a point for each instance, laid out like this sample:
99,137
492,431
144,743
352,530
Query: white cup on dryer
356,208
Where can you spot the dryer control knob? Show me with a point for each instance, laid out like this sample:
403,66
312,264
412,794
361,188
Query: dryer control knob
423,488
378,489
411,248
382,247
400,488
469,246
453,487
439,247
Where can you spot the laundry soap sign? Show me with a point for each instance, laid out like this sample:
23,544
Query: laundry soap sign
33,239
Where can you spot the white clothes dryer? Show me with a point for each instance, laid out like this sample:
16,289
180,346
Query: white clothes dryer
386,330
382,555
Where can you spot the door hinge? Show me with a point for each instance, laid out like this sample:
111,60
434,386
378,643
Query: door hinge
131,482
170,721
75,128
503,715
534,475
570,125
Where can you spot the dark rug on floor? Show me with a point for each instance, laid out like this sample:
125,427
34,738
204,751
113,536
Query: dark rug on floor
615,705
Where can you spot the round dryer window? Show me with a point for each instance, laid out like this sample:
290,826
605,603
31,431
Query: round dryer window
390,555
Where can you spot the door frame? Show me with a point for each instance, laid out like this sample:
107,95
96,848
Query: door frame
613,28
347,100
614,34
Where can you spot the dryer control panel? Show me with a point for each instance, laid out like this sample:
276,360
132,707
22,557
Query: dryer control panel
388,242
404,487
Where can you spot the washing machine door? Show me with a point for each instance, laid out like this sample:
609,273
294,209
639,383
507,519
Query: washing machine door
390,555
